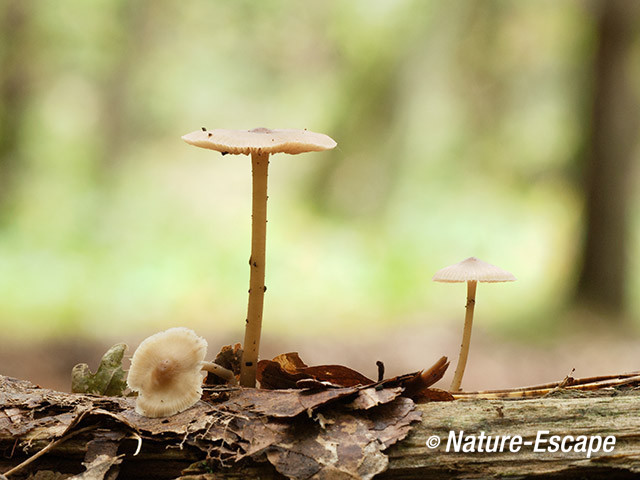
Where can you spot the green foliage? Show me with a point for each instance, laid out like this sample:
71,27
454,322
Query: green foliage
457,126
110,379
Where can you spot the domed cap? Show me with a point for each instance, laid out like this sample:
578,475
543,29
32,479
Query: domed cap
260,140
473,269
166,372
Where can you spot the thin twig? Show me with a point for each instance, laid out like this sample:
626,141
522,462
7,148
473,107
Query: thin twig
564,383
51,446
529,392
572,383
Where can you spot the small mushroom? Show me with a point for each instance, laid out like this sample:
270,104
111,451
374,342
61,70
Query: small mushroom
471,271
166,372
259,143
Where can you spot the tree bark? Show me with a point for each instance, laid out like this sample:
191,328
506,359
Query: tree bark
588,415
614,413
611,144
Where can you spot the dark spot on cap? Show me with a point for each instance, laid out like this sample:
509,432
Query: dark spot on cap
224,153
261,130
204,129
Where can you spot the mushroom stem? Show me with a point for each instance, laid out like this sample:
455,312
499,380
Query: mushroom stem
251,346
220,371
466,336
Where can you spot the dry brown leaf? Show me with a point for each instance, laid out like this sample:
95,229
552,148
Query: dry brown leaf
313,384
416,384
345,448
291,362
282,403
301,432
98,468
272,376
259,433
427,377
345,445
286,371
432,395
230,358
102,458
337,375
373,396
392,421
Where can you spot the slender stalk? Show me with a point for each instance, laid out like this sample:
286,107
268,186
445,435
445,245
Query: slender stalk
220,371
466,336
251,346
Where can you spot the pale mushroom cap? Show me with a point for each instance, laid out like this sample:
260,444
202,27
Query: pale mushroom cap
473,269
166,372
260,140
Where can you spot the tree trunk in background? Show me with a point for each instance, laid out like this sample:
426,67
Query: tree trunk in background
14,16
117,111
360,180
610,147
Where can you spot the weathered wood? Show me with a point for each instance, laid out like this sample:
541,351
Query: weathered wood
615,413
589,414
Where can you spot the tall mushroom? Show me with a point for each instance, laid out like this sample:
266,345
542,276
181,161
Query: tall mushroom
471,271
259,143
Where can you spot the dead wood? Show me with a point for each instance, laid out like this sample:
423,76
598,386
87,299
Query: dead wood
332,435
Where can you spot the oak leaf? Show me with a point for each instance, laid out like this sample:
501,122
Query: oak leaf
109,379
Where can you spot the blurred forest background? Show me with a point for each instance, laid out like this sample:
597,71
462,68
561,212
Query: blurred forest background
498,129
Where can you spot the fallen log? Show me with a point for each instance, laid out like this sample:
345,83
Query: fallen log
96,437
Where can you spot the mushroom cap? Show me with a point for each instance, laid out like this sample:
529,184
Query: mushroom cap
473,269
260,140
166,372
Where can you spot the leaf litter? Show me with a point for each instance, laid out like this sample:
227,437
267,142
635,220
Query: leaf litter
322,422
